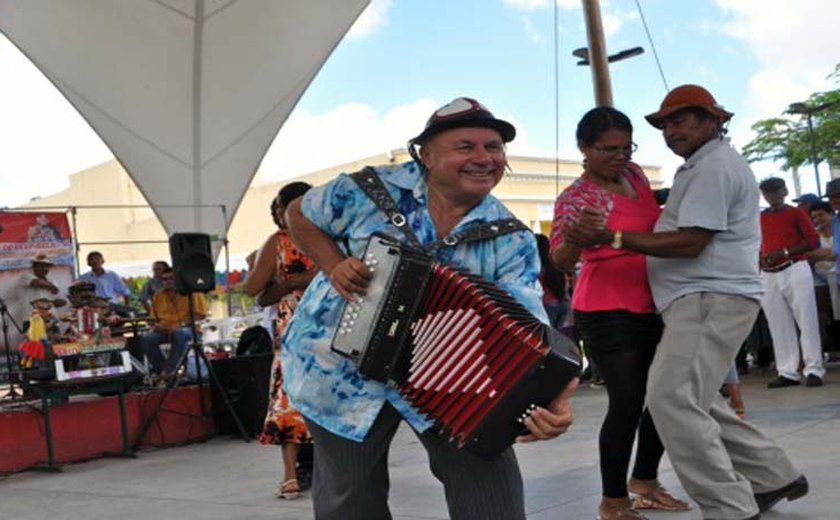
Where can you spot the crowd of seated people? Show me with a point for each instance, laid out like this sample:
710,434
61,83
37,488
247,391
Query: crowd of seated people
99,303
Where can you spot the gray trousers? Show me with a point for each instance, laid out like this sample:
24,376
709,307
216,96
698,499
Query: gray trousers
350,479
720,459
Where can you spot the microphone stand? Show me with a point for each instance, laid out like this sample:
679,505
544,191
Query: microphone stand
4,312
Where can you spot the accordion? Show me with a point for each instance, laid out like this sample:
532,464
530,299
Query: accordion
457,347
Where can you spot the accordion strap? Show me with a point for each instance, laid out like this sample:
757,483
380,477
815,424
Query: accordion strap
370,182
480,231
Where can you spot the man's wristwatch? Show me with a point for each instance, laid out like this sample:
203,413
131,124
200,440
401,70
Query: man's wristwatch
616,241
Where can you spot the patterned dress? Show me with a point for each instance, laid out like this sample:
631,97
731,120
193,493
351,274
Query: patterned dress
282,422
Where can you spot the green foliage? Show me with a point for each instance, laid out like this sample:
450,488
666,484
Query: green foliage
787,139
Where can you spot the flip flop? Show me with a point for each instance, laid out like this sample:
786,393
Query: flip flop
658,498
288,490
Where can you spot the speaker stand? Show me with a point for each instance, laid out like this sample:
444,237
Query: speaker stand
198,349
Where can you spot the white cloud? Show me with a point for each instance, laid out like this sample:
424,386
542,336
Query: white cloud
532,5
309,142
530,31
613,21
795,42
371,19
527,5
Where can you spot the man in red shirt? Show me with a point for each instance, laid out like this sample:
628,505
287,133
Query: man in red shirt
789,301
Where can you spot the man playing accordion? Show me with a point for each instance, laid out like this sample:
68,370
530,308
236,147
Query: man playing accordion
458,159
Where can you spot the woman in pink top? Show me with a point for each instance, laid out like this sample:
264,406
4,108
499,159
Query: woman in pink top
613,308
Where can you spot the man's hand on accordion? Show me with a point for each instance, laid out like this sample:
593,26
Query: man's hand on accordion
548,423
350,277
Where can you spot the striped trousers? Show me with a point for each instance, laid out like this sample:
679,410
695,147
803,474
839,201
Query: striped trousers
350,479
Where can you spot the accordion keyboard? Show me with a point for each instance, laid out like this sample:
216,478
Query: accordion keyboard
358,318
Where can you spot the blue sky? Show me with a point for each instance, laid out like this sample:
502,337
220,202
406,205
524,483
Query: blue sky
756,56
403,58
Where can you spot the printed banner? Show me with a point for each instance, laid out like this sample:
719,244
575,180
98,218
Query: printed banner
23,236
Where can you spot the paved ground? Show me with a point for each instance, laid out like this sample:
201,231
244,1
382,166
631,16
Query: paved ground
227,478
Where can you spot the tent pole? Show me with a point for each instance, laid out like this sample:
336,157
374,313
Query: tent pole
227,258
76,269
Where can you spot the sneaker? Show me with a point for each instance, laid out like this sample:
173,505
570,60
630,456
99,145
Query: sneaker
813,380
781,382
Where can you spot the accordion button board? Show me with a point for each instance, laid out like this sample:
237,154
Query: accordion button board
372,325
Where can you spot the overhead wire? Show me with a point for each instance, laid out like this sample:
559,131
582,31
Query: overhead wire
652,46
556,101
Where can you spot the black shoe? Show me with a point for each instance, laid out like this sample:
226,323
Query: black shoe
813,380
586,375
781,382
796,489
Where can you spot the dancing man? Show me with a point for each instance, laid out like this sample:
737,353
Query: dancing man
444,190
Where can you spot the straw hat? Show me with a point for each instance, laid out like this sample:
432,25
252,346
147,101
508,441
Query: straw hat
41,258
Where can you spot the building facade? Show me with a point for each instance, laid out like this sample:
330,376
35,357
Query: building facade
110,214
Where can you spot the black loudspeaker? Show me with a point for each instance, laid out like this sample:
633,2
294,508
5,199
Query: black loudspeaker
192,261
245,380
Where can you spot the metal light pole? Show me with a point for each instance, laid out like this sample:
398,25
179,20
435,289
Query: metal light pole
808,110
596,54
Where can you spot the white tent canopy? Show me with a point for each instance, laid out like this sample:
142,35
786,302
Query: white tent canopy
188,94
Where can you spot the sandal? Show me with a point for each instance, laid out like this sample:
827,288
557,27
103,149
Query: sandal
623,514
655,496
618,509
288,490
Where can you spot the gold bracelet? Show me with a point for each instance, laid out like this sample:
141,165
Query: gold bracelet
616,241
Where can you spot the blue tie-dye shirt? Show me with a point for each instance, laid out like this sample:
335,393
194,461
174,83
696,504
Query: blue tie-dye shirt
325,386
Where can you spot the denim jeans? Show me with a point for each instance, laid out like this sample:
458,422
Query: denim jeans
178,340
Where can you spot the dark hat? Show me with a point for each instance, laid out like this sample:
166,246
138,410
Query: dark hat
807,198
460,113
772,184
832,187
82,285
686,96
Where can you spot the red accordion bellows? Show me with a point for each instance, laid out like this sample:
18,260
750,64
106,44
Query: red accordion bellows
467,352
